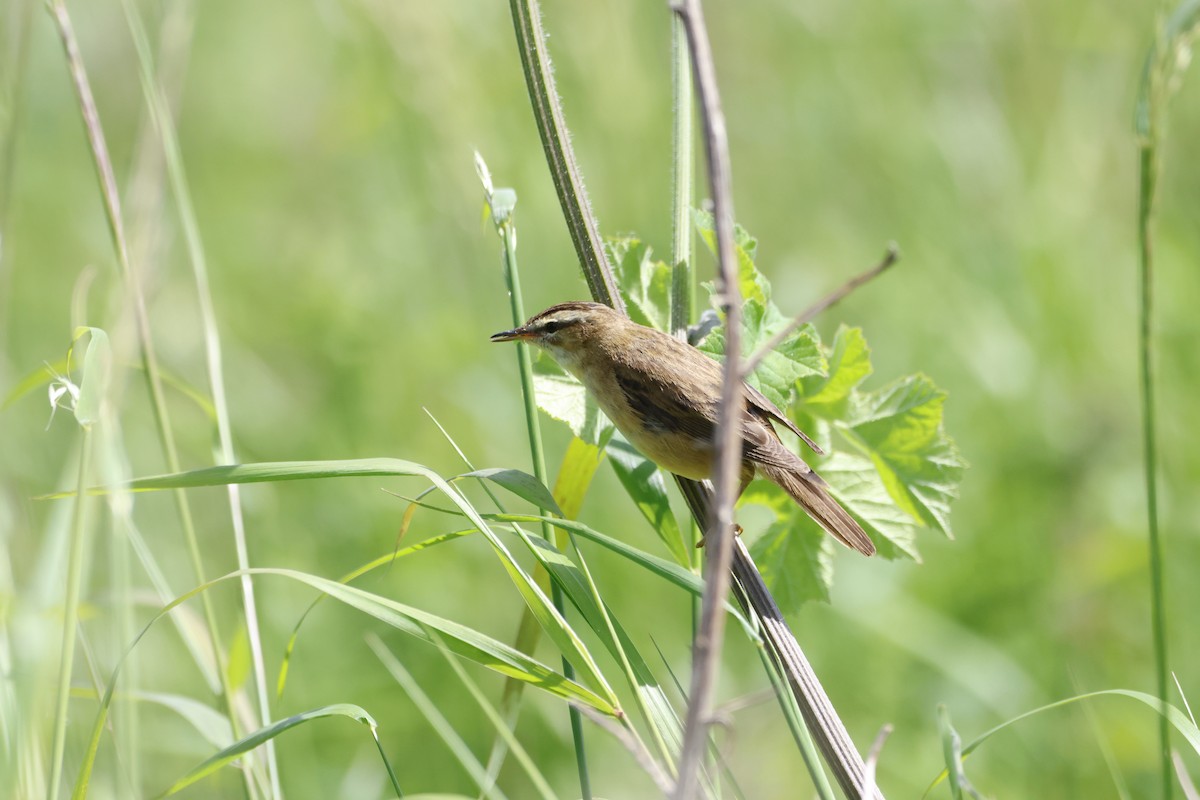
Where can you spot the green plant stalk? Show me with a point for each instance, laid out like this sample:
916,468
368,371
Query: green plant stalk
683,285
112,205
430,711
76,557
547,111
537,453
664,752
523,758
160,114
1158,613
795,722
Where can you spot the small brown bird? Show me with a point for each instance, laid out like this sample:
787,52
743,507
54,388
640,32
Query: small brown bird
663,396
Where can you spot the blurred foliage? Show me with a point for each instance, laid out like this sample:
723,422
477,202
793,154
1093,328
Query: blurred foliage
328,147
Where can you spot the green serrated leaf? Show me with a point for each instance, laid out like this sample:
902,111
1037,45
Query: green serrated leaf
564,399
646,283
796,560
752,283
849,365
855,484
777,376
900,428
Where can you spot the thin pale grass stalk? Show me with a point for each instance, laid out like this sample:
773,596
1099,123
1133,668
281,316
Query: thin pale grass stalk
429,710
112,205
1183,697
728,443
512,276
635,748
1185,780
1147,188
17,62
873,760
80,537
523,758
164,123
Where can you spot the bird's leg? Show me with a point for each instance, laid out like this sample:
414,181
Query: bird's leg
747,475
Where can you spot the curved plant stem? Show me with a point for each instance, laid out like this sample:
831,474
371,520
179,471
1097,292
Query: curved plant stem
581,222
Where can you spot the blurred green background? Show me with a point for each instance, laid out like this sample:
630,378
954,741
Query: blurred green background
329,150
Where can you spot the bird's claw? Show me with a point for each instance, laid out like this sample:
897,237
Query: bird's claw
737,531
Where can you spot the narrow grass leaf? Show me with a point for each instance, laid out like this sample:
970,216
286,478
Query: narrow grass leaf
383,560
1173,715
522,484
557,628
439,723
464,641
503,729
263,735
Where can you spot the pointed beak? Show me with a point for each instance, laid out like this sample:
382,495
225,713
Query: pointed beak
513,335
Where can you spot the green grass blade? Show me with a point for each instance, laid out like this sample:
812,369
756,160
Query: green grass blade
264,735
383,560
464,641
440,724
1173,715
503,730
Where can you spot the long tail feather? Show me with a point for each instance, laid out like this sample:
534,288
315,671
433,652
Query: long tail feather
810,492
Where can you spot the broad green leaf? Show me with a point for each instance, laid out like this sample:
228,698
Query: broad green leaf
522,484
564,398
645,282
795,557
795,554
859,488
849,365
752,283
777,376
263,735
900,428
644,483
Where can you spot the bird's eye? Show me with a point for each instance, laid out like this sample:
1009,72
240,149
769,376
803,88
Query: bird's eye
551,326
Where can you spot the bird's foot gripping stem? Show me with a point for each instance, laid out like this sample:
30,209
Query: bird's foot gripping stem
737,531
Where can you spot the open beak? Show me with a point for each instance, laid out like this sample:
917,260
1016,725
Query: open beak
513,335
